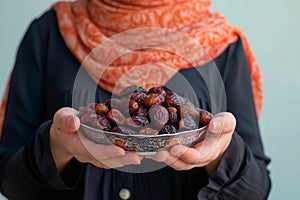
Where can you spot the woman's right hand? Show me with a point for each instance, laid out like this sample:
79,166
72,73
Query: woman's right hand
65,144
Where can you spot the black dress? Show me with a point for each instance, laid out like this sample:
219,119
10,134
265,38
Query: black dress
42,82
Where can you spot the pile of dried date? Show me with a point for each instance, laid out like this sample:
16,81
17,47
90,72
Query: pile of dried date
151,112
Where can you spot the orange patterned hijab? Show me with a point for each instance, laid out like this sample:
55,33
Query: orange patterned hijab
84,24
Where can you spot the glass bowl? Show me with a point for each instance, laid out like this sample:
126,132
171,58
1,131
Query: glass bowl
143,144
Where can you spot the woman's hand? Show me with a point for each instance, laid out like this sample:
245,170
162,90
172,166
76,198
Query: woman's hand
207,153
65,144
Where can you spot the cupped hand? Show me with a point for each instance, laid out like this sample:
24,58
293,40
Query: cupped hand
65,143
207,153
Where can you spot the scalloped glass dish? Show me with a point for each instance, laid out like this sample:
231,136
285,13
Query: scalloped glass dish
143,144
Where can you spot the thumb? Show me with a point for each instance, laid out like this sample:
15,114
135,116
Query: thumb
222,123
66,120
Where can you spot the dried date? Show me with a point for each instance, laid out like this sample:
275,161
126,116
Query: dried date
187,123
173,100
157,90
159,116
152,99
141,111
88,119
138,97
102,123
101,109
128,106
136,122
187,111
205,117
115,116
172,115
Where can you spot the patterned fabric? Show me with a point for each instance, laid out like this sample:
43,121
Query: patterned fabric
84,24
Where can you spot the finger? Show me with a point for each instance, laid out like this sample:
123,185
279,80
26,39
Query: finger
217,137
211,147
164,156
222,123
100,165
84,159
203,152
99,151
128,159
194,156
186,154
180,165
66,121
172,161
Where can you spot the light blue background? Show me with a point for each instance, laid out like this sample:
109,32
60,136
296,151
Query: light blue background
273,29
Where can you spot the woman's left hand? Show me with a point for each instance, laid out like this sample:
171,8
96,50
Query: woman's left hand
207,153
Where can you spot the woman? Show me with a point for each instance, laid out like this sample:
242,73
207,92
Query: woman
42,156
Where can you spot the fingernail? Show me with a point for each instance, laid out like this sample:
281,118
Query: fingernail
216,125
70,122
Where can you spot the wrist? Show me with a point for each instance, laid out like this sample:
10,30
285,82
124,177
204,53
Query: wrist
212,167
59,153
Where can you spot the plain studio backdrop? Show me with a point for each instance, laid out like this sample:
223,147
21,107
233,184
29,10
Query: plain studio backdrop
272,27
